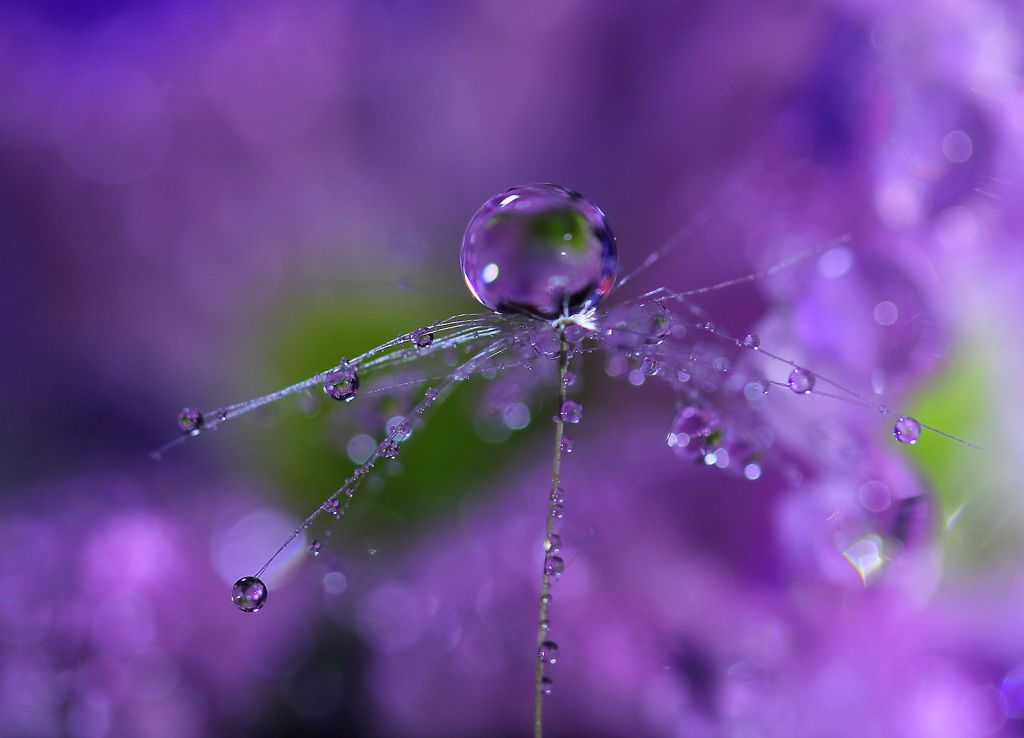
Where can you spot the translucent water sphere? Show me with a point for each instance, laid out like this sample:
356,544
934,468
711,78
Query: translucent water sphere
907,430
801,381
539,250
190,421
342,384
249,593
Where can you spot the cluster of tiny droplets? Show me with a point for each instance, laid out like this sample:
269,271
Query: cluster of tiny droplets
542,257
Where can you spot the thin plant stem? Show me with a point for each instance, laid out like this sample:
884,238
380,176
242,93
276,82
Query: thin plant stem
545,580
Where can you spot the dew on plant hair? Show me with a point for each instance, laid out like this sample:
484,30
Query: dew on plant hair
548,652
650,366
907,430
190,421
249,594
422,337
571,412
553,544
554,565
539,250
801,381
342,384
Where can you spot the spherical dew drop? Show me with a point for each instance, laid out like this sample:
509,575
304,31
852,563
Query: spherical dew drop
342,384
801,381
249,594
422,337
190,421
539,250
907,430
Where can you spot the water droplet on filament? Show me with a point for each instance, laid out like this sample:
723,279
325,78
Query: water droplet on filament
190,421
571,412
342,384
249,594
801,381
539,250
907,430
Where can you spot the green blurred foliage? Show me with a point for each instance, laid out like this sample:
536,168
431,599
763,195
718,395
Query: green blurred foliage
439,466
980,516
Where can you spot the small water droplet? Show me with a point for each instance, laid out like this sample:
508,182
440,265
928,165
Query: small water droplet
545,685
422,337
388,449
650,366
249,594
546,599
545,624
314,548
709,326
332,506
557,511
553,543
371,551
554,565
631,327
342,384
548,652
546,343
907,430
801,381
221,413
558,495
569,381
190,421
752,341
571,412
566,445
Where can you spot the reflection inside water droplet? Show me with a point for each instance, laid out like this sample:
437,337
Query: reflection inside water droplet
249,594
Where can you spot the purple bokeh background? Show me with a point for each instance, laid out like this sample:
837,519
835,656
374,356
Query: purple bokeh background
169,170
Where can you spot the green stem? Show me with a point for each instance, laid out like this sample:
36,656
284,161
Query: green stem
545,580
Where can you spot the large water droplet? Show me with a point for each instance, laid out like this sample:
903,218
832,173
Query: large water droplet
422,337
650,366
342,383
539,250
554,565
571,412
548,652
907,430
801,381
190,421
752,341
249,594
